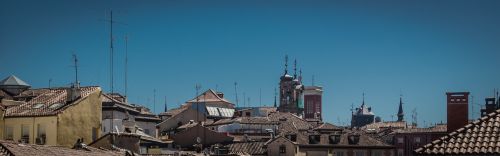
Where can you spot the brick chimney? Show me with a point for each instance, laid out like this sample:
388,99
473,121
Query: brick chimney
457,110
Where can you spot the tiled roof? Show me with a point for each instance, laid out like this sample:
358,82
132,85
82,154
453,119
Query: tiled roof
482,137
440,128
247,148
245,120
208,96
47,102
173,112
387,124
16,149
289,123
327,126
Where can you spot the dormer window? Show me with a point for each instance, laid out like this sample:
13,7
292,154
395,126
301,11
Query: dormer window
334,139
314,139
292,137
353,139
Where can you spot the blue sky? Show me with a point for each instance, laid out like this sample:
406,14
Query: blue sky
418,48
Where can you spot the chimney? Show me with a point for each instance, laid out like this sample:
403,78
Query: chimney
457,110
73,93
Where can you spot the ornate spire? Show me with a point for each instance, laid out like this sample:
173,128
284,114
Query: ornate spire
400,111
286,64
300,75
295,69
363,99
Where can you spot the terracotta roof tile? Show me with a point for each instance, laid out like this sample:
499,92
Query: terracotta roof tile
479,137
13,148
43,103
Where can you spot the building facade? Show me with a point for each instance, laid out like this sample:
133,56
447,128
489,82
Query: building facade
313,102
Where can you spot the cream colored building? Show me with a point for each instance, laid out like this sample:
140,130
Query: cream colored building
51,116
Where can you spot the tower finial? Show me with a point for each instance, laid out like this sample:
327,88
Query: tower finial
295,68
400,110
166,109
286,64
300,75
363,98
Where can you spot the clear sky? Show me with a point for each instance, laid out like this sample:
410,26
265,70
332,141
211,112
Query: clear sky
418,48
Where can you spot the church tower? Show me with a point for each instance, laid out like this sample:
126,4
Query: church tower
400,111
290,91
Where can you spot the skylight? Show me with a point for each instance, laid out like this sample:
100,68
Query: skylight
55,105
38,105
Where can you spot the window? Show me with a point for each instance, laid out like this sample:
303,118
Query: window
25,133
247,114
292,137
417,139
452,100
41,134
376,153
282,149
400,140
146,131
340,153
314,139
94,133
360,153
9,133
400,152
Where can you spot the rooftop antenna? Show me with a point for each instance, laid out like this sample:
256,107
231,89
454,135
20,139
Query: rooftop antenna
286,64
50,81
352,108
75,61
414,116
275,94
244,100
260,97
216,87
300,75
248,103
126,63
312,80
166,108
197,87
154,100
111,21
236,93
111,50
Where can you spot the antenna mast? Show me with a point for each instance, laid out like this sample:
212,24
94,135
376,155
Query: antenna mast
111,50
260,97
154,100
75,61
126,63
236,93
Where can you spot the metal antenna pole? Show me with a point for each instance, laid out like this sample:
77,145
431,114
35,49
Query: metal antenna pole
126,64
236,93
111,50
75,61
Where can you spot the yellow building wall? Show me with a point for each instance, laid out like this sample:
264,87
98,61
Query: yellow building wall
79,120
49,122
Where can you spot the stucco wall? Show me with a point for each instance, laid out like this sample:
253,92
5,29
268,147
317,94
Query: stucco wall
273,148
49,122
79,120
